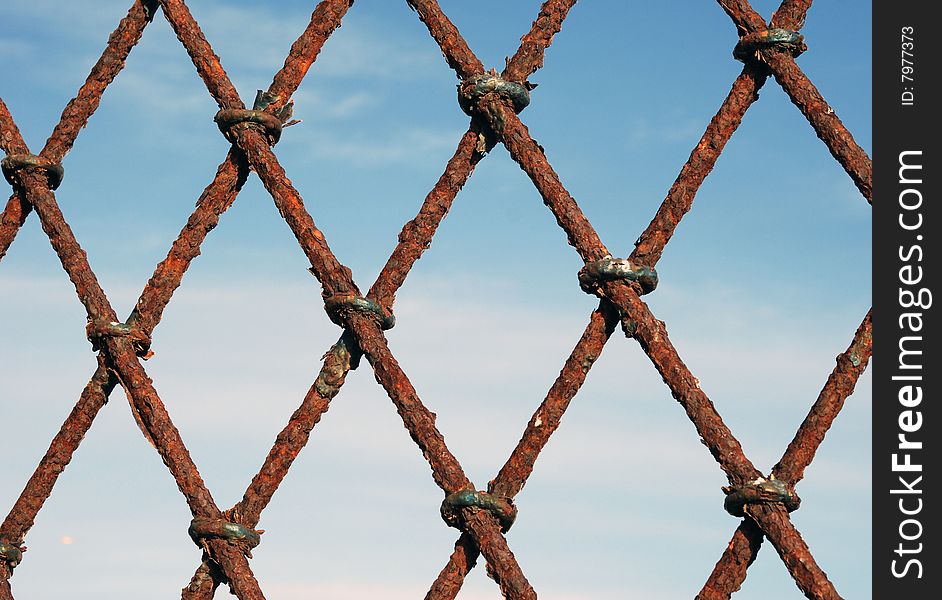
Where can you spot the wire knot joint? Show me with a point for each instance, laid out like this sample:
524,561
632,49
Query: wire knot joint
14,163
760,491
751,46
453,506
339,307
610,269
96,330
476,87
245,538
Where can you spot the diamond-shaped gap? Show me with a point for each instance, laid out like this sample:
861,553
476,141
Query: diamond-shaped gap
625,488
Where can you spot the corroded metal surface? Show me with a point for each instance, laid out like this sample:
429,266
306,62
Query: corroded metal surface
493,101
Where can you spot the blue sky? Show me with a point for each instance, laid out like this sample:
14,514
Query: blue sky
625,94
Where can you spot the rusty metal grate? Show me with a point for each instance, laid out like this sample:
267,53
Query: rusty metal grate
493,101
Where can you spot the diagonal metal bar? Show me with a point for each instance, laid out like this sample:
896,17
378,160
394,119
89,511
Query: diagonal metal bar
121,358
730,570
533,45
80,109
336,280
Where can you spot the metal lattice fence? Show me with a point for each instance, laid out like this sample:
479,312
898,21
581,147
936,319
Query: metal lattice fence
493,101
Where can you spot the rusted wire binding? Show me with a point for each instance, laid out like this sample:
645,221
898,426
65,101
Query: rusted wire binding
609,269
760,491
750,46
229,119
12,554
95,330
17,162
502,508
338,307
474,88
237,534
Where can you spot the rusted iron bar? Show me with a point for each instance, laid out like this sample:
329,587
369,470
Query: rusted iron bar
730,570
454,48
417,233
23,514
825,122
791,14
703,157
515,472
729,573
122,359
851,364
79,110
325,19
533,45
451,578
336,280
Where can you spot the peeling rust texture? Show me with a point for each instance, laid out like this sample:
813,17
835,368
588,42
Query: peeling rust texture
493,120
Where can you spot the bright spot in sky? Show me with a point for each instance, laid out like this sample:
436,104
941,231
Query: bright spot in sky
67,540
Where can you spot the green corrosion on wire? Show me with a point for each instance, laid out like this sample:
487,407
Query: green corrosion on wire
13,163
760,491
610,269
339,306
244,537
503,509
229,119
476,87
11,554
749,45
